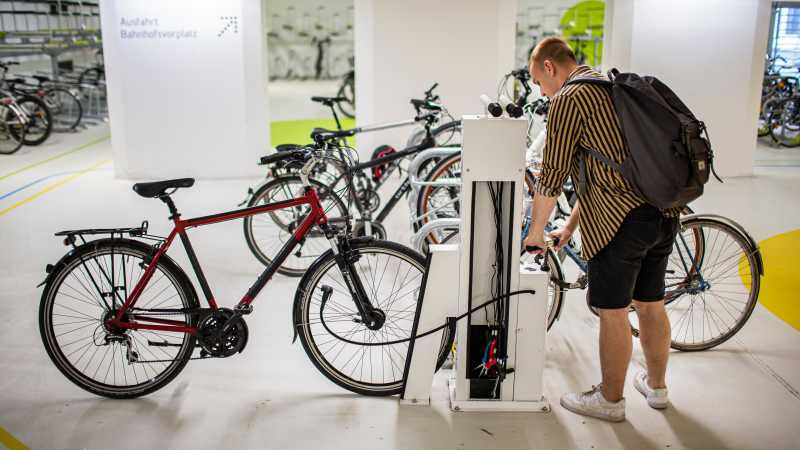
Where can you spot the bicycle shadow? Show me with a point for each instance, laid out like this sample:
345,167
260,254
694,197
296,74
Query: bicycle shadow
161,418
435,427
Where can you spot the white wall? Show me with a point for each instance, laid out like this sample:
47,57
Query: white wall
711,53
193,106
402,48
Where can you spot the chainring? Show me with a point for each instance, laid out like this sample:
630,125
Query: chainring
219,343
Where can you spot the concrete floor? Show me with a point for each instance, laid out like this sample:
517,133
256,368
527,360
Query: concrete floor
744,394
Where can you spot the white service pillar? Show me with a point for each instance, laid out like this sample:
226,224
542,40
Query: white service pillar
187,87
403,47
711,53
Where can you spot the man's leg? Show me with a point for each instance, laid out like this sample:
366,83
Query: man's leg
654,334
615,351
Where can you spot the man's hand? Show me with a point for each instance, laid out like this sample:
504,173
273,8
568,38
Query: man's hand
562,237
535,241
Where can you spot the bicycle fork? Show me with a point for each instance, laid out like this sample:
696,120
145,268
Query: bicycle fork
346,259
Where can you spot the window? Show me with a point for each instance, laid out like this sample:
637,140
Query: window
784,39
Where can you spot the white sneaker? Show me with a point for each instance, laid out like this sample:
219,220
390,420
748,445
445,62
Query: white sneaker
656,398
593,404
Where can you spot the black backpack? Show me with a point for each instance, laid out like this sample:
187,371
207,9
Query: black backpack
668,160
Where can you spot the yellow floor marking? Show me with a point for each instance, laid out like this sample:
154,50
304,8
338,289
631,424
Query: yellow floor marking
781,281
10,441
52,158
53,186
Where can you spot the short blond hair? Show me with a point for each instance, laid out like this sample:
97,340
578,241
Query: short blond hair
553,48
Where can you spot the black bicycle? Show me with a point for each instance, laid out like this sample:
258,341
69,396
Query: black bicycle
267,233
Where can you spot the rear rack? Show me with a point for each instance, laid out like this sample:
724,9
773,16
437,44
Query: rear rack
139,232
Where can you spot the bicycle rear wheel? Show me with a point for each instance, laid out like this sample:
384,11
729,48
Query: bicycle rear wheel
85,289
392,276
712,284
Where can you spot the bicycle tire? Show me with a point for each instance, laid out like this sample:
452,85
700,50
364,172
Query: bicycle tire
331,202
56,279
348,91
69,111
747,272
304,313
555,293
784,124
424,208
12,130
41,120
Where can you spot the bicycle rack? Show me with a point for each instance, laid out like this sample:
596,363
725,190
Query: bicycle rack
416,184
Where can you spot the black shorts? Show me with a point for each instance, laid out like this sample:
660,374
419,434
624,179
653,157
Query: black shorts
633,264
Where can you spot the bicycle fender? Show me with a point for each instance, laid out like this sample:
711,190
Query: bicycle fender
752,242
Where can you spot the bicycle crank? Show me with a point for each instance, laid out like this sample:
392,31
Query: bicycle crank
222,333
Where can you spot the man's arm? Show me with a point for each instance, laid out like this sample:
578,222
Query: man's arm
563,132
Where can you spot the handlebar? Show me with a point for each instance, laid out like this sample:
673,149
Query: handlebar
425,104
429,92
300,155
521,74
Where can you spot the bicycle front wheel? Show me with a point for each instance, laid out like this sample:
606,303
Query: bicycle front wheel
392,277
267,233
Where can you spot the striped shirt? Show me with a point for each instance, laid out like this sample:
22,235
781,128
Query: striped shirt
583,114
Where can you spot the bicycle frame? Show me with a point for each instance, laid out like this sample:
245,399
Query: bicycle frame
315,217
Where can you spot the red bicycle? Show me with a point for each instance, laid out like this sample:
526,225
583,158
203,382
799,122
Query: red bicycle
121,319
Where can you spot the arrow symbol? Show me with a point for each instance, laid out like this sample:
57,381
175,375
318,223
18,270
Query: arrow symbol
231,23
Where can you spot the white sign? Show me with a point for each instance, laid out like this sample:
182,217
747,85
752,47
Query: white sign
186,87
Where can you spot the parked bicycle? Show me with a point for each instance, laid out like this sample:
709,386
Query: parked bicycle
39,118
121,319
713,279
343,183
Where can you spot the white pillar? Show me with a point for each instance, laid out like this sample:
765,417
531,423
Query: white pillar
186,87
403,47
710,52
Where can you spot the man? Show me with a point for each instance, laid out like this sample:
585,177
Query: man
626,241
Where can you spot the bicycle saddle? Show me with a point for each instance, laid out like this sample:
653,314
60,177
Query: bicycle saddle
328,101
159,188
40,78
288,147
16,80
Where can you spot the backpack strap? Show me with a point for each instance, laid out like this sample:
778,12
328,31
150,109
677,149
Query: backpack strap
590,80
584,153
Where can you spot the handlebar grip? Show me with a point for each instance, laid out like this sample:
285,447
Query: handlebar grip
535,248
429,91
281,156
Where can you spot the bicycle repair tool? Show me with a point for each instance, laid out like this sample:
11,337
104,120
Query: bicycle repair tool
499,357
492,108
